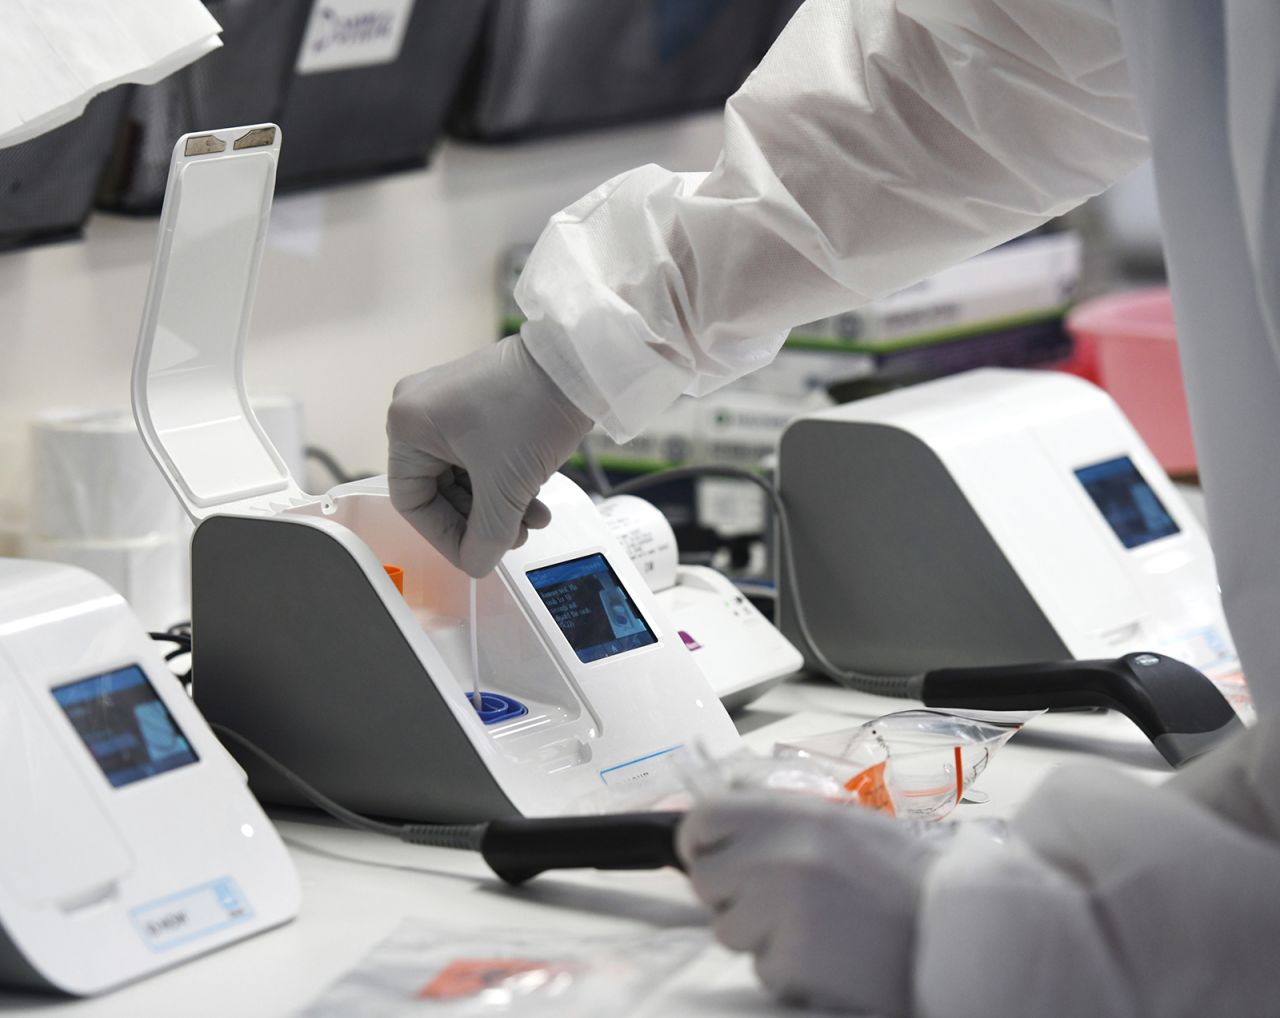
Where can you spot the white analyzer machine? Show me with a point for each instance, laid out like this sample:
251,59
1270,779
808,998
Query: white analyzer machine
303,643
130,841
995,517
741,653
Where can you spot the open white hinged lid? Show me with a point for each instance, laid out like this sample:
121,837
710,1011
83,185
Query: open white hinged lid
189,395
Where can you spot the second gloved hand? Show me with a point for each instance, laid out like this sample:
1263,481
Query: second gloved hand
823,895
471,443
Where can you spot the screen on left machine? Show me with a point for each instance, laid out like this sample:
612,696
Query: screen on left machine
125,725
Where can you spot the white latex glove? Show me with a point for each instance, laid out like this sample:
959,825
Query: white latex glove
824,895
471,443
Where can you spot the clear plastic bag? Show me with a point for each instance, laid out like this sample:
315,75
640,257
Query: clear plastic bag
428,971
916,764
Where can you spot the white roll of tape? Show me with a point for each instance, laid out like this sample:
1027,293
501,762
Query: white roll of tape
93,479
152,573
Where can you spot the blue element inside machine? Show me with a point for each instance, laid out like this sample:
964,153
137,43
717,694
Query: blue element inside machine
495,707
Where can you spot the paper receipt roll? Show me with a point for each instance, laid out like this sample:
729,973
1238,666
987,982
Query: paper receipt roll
646,536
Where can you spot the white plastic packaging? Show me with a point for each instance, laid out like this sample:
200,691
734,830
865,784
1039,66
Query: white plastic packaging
423,969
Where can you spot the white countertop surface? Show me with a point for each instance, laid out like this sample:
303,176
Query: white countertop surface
358,887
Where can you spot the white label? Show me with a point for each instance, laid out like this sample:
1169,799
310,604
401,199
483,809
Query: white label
353,33
191,914
646,768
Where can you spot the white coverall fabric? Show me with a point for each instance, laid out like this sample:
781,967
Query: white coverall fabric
867,151
877,143
1183,884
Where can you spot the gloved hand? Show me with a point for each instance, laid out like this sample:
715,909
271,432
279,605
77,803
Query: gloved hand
824,895
471,443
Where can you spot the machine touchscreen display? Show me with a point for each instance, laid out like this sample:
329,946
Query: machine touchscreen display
591,607
1127,502
125,725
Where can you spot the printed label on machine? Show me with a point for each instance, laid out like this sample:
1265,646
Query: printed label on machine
643,769
183,917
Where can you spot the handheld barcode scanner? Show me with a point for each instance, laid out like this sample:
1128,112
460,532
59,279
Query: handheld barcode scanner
1177,707
302,642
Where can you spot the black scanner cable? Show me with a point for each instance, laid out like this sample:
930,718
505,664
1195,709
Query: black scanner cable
182,641
515,848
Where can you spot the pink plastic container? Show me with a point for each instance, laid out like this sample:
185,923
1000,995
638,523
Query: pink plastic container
1128,339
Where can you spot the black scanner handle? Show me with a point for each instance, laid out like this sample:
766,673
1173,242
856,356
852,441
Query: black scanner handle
519,848
1177,707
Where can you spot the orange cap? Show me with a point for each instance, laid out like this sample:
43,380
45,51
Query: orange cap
397,576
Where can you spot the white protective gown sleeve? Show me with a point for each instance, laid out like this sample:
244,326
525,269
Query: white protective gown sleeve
1116,900
1129,901
877,143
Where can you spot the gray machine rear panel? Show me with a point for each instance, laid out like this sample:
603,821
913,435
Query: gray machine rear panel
896,572
294,650
16,971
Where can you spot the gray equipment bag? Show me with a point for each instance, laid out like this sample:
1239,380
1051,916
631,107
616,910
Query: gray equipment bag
47,184
379,77
552,66
386,97
244,82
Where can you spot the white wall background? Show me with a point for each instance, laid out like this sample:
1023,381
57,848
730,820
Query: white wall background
360,285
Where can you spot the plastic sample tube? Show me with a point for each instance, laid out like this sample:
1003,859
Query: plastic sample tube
475,652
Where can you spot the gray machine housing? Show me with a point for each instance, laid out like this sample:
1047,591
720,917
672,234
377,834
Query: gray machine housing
16,971
897,573
295,651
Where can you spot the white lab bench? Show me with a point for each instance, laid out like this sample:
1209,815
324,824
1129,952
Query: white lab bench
358,887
